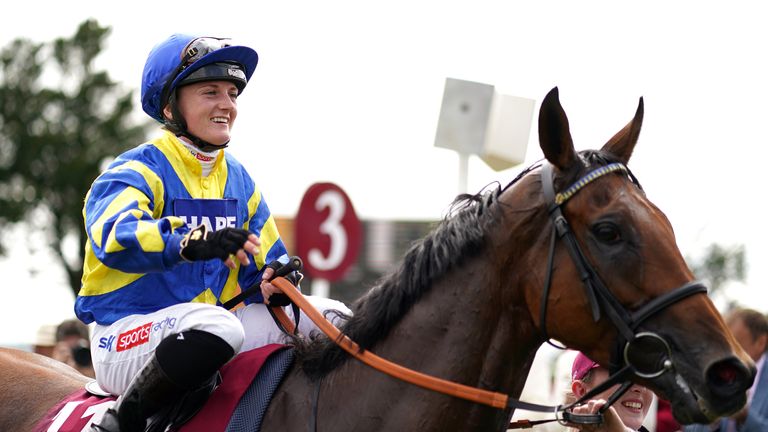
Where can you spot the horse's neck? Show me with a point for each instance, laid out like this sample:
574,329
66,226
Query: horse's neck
468,330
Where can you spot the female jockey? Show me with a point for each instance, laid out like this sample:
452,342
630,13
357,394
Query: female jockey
176,227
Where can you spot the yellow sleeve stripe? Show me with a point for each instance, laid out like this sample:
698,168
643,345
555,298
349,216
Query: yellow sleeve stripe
149,237
253,205
147,233
154,183
129,195
231,287
123,200
99,279
269,236
176,222
112,244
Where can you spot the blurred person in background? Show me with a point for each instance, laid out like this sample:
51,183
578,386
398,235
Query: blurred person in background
626,414
750,328
73,346
45,340
665,421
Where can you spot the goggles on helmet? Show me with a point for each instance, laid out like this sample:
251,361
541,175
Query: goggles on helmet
198,47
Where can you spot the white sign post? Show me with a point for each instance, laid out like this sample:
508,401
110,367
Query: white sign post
477,120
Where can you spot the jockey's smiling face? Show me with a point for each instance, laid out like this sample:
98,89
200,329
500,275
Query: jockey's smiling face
209,108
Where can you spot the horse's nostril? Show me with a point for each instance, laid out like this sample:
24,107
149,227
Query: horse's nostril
725,374
728,378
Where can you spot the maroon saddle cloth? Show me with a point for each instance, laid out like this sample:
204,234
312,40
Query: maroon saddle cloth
76,412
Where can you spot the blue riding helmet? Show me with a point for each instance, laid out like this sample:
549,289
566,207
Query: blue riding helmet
176,60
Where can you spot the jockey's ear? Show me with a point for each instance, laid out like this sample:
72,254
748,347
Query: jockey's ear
167,112
623,143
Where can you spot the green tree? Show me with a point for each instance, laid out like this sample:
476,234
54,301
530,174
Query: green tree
719,265
60,119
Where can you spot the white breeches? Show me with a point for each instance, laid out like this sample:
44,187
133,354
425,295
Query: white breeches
121,349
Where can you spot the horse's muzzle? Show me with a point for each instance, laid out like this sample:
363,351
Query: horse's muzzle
729,378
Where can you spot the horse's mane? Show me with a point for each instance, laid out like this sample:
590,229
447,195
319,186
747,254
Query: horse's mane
461,234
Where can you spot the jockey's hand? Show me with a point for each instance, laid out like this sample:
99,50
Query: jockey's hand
611,420
201,244
275,269
267,289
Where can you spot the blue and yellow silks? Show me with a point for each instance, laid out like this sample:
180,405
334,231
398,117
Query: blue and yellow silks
136,214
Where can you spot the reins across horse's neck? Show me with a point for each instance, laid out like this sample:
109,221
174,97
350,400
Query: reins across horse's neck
485,397
450,388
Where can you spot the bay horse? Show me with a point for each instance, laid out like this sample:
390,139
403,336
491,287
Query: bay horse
571,250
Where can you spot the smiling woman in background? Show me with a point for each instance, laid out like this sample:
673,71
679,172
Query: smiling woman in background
626,414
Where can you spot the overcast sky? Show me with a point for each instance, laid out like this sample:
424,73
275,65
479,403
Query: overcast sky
350,92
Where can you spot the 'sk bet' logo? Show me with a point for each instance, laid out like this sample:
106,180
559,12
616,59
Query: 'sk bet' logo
107,342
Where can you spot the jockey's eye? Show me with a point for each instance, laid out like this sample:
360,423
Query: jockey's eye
607,232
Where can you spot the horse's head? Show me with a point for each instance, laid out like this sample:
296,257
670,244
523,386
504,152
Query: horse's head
622,292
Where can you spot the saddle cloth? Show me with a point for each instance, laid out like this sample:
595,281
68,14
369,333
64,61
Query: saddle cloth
248,382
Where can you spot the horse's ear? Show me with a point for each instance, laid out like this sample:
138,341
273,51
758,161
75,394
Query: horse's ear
554,133
622,144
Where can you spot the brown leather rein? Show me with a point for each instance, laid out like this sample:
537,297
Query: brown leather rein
485,397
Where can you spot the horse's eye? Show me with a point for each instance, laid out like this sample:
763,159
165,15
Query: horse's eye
607,232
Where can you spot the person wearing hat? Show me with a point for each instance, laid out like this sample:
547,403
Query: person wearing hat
626,414
176,227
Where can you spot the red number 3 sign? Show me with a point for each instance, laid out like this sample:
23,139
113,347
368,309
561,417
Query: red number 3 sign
328,233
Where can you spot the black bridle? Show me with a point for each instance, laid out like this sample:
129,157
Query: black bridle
632,348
